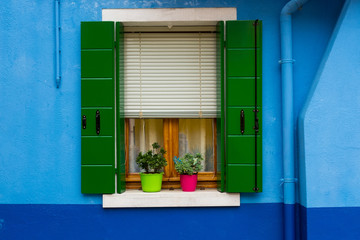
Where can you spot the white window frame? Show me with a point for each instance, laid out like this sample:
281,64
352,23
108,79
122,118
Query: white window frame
170,17
149,17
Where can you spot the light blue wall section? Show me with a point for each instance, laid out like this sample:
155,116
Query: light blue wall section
309,47
328,124
40,125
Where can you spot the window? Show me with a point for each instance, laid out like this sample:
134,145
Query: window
237,142
170,74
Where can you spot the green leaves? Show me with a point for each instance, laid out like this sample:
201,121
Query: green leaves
155,145
153,160
189,164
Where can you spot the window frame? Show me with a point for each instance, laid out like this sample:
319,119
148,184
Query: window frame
171,179
168,17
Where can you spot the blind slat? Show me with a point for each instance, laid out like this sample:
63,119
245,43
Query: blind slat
170,75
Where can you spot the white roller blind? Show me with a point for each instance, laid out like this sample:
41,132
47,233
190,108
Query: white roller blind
170,75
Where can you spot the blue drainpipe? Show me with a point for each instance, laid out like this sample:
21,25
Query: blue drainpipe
57,42
288,117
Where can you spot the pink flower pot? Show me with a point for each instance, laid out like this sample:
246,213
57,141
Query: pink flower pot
188,182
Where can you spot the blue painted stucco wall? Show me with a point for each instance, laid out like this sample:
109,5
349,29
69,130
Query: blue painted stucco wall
331,149
40,124
329,168
328,140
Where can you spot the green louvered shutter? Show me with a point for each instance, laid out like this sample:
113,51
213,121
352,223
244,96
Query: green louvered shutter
120,108
97,107
220,123
243,151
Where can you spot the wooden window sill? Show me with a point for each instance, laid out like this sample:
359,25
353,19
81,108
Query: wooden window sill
132,198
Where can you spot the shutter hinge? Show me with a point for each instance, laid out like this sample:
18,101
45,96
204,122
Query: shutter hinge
116,171
256,127
115,44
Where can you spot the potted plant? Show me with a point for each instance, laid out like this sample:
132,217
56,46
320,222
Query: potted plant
188,168
152,162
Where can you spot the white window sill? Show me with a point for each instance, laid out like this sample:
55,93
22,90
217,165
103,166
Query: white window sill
175,198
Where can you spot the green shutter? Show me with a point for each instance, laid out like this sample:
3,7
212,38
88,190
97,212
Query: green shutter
98,107
240,167
120,108
220,123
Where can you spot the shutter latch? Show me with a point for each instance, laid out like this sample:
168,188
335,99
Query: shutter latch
242,121
84,122
97,118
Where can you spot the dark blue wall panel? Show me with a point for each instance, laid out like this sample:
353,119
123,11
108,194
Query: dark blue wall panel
249,221
45,221
339,223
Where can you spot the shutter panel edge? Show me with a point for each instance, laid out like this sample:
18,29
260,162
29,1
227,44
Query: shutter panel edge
220,120
120,105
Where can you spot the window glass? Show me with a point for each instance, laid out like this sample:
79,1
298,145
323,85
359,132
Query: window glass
142,134
197,136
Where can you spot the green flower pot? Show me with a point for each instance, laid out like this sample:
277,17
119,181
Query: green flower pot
151,182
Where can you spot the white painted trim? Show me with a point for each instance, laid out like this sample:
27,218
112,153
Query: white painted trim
158,16
175,198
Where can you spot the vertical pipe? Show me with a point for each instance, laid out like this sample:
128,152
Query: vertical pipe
288,116
288,126
57,42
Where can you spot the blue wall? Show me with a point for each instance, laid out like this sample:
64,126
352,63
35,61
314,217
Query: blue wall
330,139
42,135
309,46
40,124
